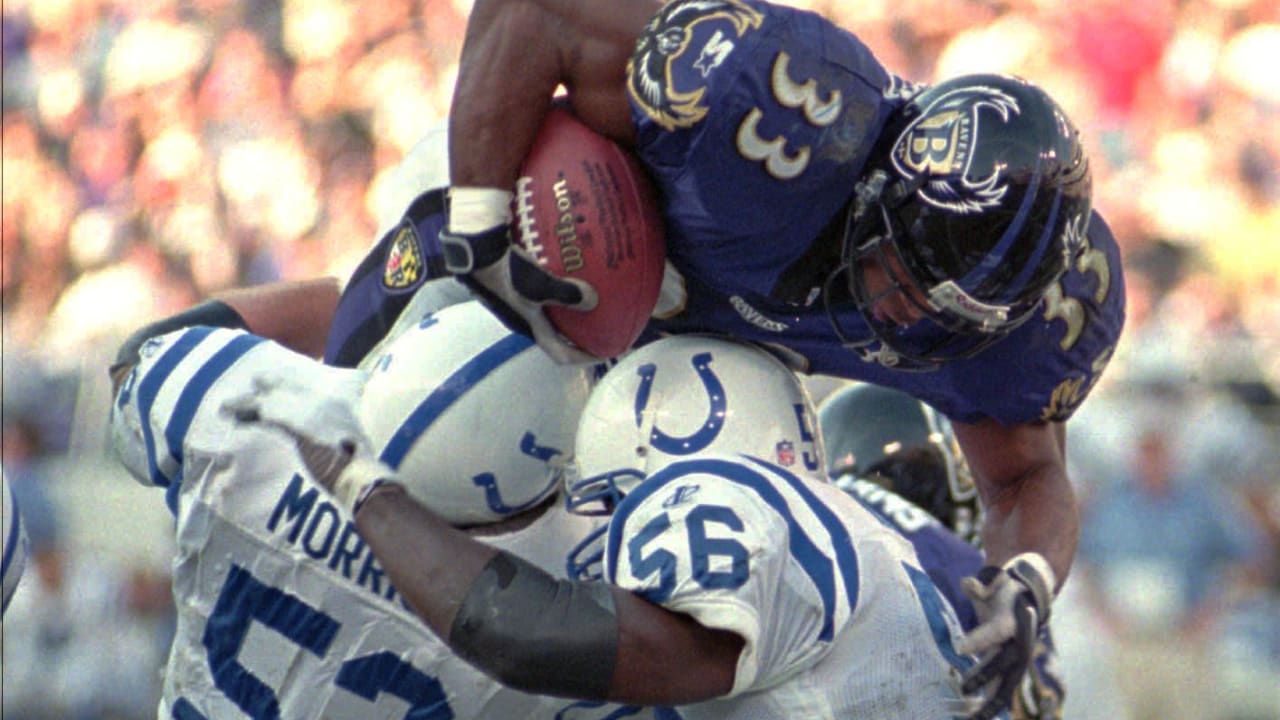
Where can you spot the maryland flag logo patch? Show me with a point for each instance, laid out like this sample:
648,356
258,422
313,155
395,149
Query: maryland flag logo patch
404,260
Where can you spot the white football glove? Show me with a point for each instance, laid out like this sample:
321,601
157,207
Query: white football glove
477,248
324,428
1012,602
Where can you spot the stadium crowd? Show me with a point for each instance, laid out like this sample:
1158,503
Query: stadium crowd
156,151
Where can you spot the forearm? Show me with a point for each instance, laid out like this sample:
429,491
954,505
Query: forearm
296,314
534,632
431,564
515,55
1038,514
506,76
1028,499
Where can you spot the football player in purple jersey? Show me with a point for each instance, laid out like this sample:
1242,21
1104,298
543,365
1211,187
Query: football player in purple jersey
939,240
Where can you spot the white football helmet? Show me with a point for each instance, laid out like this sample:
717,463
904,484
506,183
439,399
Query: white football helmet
478,422
679,397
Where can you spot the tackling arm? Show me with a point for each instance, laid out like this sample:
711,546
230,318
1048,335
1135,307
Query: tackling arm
1021,475
296,314
530,631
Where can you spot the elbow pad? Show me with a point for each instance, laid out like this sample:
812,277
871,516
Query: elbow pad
213,313
538,634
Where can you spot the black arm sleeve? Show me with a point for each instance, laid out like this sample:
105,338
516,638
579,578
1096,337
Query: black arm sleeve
213,313
538,634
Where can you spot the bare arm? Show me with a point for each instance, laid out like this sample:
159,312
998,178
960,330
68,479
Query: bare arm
1022,479
296,314
515,54
662,657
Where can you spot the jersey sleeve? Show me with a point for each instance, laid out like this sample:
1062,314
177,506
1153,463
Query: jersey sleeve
176,391
741,549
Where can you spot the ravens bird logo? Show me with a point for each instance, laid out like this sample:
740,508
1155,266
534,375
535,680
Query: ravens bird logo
671,92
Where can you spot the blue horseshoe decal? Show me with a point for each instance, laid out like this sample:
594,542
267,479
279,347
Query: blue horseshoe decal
493,496
710,429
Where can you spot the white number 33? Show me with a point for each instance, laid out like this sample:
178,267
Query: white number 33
773,152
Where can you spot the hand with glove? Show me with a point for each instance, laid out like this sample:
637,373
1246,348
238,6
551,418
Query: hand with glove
478,250
1041,693
1012,602
324,428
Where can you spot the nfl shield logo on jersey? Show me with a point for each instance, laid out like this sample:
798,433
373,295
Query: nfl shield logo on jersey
785,451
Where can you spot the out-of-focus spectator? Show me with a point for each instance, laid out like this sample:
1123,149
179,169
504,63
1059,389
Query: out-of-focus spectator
1164,551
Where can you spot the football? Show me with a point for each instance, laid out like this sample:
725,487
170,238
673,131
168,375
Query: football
585,208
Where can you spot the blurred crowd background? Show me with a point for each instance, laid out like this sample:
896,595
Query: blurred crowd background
156,151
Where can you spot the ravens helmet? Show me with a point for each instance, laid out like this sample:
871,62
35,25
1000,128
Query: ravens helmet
892,439
971,206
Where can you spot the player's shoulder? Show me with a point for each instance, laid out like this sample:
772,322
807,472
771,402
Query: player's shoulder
179,384
771,514
1046,368
742,482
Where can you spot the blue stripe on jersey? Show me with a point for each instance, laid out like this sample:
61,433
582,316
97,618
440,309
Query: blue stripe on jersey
846,555
449,392
184,710
193,393
811,559
12,540
149,388
934,613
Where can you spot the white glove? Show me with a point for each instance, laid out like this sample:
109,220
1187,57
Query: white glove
1012,602
324,428
477,248
514,287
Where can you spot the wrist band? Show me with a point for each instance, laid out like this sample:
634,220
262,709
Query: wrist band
474,210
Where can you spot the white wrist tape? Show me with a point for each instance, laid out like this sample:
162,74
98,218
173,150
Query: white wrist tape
477,209
1035,572
360,472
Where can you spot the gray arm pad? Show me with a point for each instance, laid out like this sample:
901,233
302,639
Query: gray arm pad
538,634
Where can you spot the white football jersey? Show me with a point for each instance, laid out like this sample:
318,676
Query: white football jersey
838,619
283,612
13,544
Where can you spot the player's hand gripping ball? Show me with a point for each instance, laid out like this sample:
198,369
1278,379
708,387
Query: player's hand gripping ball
585,209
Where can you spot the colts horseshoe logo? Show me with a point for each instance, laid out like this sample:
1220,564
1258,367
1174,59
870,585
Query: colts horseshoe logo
711,427
489,483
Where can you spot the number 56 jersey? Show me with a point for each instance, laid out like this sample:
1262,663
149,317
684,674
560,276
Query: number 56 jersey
838,618
283,612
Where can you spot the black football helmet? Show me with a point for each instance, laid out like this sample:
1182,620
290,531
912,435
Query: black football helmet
892,439
973,203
